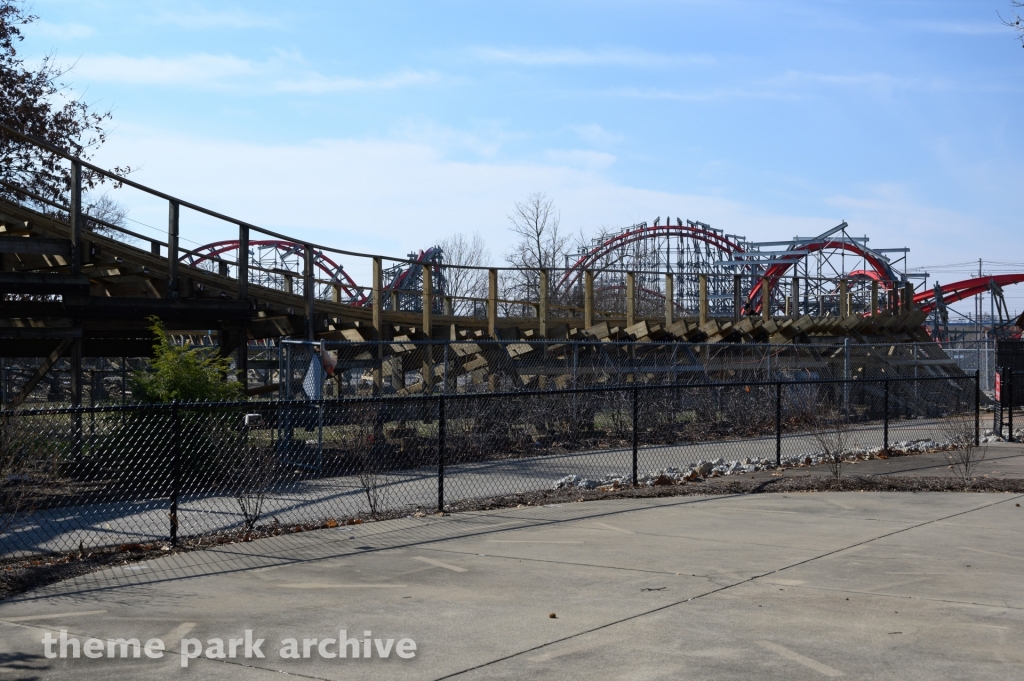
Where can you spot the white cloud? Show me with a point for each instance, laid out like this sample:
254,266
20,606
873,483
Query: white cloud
962,27
872,80
60,31
580,158
284,72
316,83
596,135
196,17
576,57
715,94
195,69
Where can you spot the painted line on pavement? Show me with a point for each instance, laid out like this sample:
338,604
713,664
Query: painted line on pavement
437,563
800,659
29,618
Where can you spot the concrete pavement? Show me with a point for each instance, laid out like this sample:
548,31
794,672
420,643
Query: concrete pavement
804,586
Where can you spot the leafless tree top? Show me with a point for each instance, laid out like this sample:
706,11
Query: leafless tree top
541,244
1015,21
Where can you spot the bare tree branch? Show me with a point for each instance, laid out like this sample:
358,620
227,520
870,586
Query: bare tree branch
465,251
541,245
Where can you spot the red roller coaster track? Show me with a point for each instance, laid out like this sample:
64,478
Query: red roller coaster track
723,244
881,269
333,270
959,290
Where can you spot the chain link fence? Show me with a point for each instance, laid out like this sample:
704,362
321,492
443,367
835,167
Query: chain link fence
135,474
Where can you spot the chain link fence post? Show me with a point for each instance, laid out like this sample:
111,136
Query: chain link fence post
175,473
442,426
635,435
885,416
1009,405
778,423
977,407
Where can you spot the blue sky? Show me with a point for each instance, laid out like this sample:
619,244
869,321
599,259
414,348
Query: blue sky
383,126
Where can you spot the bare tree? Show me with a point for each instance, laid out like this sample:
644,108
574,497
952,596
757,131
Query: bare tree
964,456
110,211
253,473
460,252
832,434
369,448
541,244
1015,21
14,472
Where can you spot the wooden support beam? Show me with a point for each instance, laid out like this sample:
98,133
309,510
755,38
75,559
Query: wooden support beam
702,293
242,262
874,298
173,226
428,294
44,283
844,308
908,297
76,218
378,298
795,296
35,246
670,299
378,324
428,327
40,373
542,306
630,299
492,302
737,296
309,290
766,299
588,298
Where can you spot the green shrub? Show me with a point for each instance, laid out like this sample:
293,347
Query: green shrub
183,373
